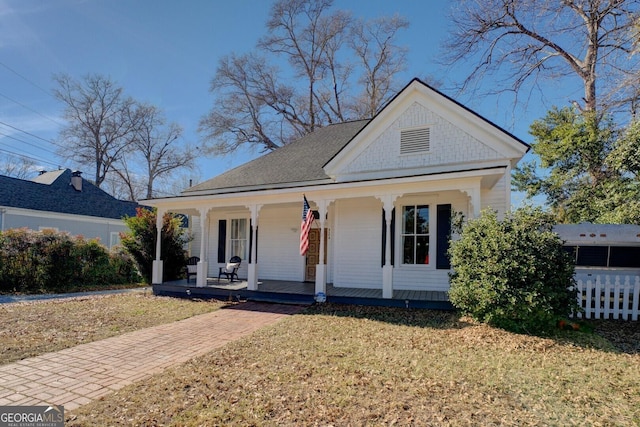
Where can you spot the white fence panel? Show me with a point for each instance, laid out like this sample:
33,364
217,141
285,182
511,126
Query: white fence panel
603,299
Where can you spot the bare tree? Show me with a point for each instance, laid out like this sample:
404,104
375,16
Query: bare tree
380,58
247,106
154,149
531,40
16,166
302,31
99,122
261,105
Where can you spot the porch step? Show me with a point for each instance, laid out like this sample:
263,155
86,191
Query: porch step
385,302
280,298
185,291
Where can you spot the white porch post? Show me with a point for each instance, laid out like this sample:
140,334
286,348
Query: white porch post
252,279
473,193
156,271
387,268
321,268
203,265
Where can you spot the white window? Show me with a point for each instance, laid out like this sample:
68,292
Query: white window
114,239
238,238
415,234
415,140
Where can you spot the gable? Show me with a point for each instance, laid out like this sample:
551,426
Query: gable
422,131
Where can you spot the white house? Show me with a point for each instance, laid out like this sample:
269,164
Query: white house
383,190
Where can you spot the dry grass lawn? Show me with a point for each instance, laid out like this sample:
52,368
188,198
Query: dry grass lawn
355,366
33,328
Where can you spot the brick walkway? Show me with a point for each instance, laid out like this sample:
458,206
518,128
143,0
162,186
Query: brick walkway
75,376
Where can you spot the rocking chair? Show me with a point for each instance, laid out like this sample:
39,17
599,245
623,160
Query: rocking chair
192,267
231,269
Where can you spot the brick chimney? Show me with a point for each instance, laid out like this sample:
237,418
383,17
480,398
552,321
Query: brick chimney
76,180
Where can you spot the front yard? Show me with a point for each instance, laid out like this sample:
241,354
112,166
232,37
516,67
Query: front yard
348,365
33,328
339,365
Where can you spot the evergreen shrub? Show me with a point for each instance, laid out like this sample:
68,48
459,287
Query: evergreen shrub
47,261
512,273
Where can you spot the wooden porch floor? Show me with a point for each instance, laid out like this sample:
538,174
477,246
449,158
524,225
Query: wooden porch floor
303,292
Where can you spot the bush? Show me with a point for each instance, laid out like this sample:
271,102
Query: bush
140,243
512,273
47,261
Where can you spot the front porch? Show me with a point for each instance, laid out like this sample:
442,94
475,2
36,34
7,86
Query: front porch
301,293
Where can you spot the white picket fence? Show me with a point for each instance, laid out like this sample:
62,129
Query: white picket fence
609,297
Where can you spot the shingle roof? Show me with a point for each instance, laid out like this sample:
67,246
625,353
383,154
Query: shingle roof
299,162
60,196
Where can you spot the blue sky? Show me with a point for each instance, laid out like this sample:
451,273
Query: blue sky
165,52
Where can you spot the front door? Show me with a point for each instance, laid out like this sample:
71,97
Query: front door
313,254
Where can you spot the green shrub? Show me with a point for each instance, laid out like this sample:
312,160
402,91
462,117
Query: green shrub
140,242
512,273
47,261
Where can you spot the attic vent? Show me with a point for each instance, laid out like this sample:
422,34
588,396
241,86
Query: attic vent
414,140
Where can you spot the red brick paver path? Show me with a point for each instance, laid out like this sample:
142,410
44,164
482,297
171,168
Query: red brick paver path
77,375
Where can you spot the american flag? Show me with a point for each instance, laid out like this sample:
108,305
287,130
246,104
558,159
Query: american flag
307,219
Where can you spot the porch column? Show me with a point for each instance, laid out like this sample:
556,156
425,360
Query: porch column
473,194
252,279
156,270
321,268
203,265
387,268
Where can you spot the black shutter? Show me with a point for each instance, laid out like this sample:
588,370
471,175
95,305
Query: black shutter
222,240
251,242
443,228
384,235
393,235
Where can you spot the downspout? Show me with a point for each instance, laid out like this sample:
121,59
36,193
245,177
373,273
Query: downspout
2,212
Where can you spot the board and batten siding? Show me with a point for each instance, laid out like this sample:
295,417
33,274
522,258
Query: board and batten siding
279,243
357,237
496,197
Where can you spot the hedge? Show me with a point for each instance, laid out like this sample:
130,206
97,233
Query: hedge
48,261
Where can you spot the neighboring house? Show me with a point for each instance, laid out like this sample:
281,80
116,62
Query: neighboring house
63,201
602,249
383,191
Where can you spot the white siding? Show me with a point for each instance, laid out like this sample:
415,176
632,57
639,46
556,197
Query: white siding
99,228
357,242
423,277
419,278
279,244
495,198
212,250
448,145
196,232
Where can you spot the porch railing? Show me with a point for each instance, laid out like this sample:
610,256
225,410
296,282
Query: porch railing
609,297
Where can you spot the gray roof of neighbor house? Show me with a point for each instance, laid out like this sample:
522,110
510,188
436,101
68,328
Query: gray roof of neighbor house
53,192
301,161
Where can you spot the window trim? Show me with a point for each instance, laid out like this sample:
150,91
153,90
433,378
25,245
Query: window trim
113,234
400,233
229,239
